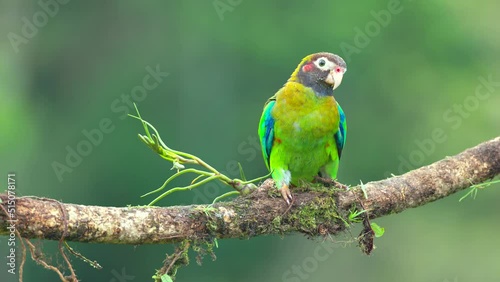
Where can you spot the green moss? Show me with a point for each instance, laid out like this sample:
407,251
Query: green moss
322,212
178,258
242,206
317,187
273,192
212,225
277,223
203,248
306,217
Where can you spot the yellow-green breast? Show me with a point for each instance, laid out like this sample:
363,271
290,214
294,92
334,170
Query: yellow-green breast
304,130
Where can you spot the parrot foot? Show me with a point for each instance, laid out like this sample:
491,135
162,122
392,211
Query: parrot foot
285,192
340,185
329,182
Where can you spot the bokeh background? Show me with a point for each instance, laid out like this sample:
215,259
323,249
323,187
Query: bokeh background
414,67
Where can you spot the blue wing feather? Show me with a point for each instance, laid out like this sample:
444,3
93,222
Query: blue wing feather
266,131
340,135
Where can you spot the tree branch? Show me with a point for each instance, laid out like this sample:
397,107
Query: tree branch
315,211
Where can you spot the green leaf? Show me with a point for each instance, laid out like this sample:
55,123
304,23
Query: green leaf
142,121
474,188
379,231
472,192
242,174
166,278
353,215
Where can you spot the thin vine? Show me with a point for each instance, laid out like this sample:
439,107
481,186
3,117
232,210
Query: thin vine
179,159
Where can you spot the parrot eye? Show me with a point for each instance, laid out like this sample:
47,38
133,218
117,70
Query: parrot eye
323,64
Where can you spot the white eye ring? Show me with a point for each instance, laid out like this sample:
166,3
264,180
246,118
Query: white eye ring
323,64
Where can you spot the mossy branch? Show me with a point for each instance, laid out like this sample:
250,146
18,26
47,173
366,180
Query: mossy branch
315,211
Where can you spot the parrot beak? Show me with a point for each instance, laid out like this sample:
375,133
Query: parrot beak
334,78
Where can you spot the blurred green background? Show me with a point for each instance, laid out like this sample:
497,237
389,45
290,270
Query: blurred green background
414,67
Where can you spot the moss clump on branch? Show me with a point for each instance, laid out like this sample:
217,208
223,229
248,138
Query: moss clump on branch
320,218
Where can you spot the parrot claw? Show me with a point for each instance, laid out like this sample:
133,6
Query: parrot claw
287,195
339,185
328,182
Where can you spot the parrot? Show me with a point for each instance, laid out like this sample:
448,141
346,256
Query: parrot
302,129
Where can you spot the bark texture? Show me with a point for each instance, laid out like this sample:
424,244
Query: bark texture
316,210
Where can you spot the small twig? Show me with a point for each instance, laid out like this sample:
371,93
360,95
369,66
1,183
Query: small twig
65,232
289,206
23,258
68,263
61,250
168,266
176,257
41,262
94,263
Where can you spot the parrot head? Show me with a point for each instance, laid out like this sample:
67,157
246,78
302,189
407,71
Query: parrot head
321,71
